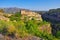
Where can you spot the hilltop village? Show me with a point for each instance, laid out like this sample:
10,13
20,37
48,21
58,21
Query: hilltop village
31,14
24,24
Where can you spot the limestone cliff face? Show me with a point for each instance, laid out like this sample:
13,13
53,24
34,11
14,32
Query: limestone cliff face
31,14
45,28
2,17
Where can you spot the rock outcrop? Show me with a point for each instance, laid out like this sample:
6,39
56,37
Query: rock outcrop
45,28
2,37
2,17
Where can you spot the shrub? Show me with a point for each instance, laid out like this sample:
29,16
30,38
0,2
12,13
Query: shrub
20,28
16,16
58,34
32,28
2,25
6,27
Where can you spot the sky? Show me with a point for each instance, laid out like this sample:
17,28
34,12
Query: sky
31,4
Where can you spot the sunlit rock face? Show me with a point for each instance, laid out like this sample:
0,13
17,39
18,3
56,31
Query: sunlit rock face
2,17
31,14
2,37
45,28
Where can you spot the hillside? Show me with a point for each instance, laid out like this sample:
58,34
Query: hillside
24,25
53,16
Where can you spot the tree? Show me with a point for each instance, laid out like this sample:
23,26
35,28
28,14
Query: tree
16,16
58,34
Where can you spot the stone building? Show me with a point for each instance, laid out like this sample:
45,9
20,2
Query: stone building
31,14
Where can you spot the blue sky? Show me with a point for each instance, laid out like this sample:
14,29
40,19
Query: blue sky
31,4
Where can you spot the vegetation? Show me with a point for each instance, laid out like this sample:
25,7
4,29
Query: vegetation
58,34
24,28
15,17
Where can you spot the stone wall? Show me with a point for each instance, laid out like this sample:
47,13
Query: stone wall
31,14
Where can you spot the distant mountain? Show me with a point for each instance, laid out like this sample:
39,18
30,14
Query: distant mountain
53,15
54,10
11,10
15,9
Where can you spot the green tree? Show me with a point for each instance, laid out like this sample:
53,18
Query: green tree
58,34
16,16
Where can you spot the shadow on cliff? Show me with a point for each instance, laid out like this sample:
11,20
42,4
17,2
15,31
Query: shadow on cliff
53,20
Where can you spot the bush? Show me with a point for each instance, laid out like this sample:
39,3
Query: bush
58,34
32,28
6,27
16,16
3,25
20,28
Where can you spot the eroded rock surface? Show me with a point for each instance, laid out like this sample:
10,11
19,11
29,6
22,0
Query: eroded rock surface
2,37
